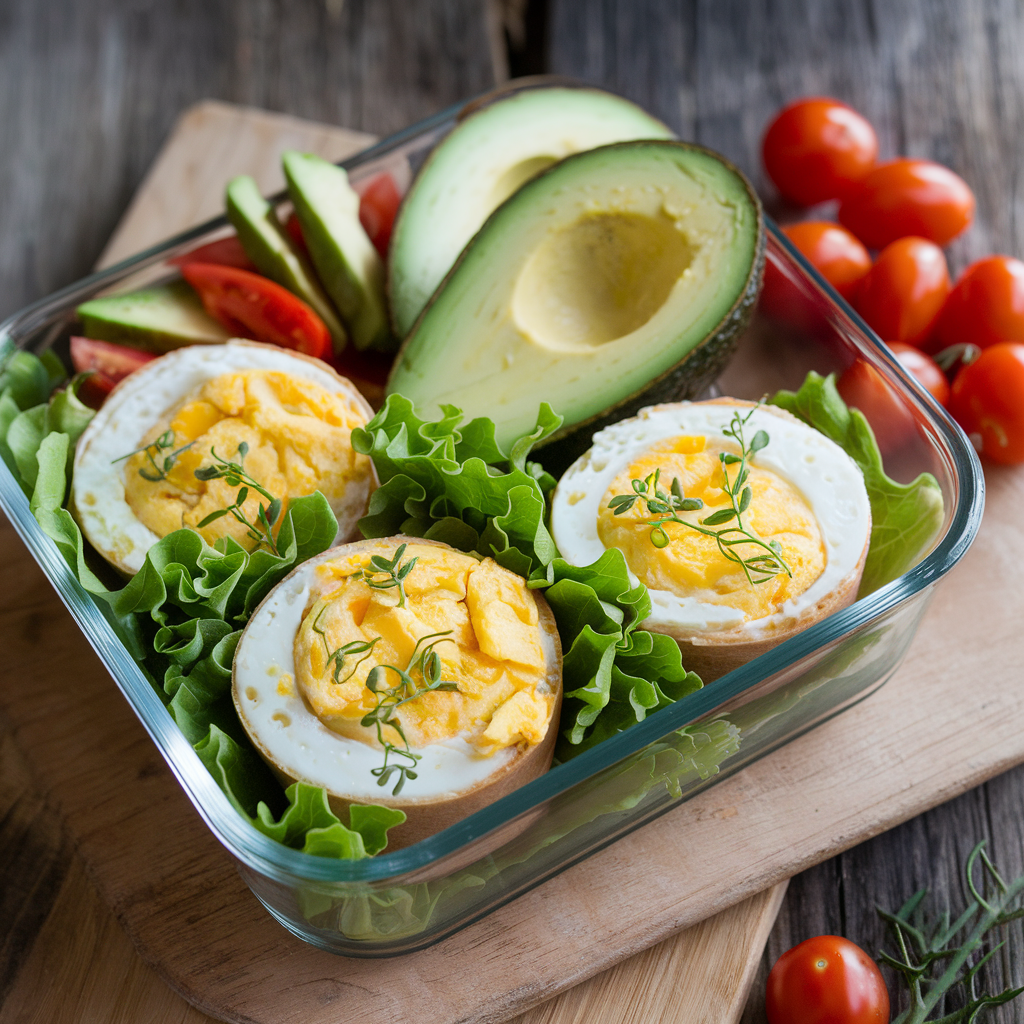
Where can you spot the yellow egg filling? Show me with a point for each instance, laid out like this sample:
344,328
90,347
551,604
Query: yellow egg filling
298,438
691,564
492,650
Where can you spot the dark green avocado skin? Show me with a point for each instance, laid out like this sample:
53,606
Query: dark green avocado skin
685,381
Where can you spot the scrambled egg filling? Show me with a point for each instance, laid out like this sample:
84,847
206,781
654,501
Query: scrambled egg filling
298,437
493,652
692,565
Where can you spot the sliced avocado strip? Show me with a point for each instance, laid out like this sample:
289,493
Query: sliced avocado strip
155,319
346,262
267,244
481,163
620,277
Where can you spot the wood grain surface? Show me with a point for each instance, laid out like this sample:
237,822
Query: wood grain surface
88,90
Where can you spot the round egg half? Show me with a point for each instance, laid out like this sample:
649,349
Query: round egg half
286,418
338,641
807,497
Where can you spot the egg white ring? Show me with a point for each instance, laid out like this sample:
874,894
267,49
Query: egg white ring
147,398
286,731
828,479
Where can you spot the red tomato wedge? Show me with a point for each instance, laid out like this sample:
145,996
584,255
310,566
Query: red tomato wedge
257,308
908,197
379,199
226,252
106,363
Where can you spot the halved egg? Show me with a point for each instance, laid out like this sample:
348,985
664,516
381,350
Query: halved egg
808,518
433,688
285,418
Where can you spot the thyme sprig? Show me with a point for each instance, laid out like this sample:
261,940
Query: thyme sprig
234,473
337,657
665,507
393,571
153,450
422,675
933,960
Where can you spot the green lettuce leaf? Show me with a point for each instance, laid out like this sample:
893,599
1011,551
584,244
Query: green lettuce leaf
452,482
905,518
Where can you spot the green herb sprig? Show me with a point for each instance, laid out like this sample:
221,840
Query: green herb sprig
422,675
234,473
393,571
934,955
153,450
337,657
665,508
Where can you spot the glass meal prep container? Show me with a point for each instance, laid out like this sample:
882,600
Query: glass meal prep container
404,900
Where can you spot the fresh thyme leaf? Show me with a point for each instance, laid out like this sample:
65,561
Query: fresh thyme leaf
161,444
759,567
935,957
393,572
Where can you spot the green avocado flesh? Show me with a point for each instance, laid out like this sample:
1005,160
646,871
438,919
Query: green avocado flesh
156,319
599,284
346,262
269,247
481,163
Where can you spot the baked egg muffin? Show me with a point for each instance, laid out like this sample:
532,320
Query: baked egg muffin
727,588
402,672
156,457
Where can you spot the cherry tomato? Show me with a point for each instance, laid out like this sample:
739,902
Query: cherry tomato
986,305
862,387
923,369
258,308
902,294
987,400
908,197
378,206
227,252
832,251
826,980
816,149
107,365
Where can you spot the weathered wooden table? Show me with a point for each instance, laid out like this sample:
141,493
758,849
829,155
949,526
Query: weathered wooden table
89,89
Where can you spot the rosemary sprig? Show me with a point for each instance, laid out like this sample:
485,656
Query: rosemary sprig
665,508
424,663
393,572
928,954
155,448
234,473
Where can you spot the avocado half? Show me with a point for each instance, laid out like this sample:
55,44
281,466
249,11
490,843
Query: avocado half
486,158
621,277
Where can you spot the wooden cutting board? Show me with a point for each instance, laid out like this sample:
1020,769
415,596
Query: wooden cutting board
702,974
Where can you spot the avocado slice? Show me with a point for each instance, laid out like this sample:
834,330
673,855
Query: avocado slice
481,163
155,319
267,244
620,277
346,262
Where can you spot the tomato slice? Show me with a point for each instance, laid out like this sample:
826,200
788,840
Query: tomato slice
106,363
379,199
908,197
817,149
226,252
257,308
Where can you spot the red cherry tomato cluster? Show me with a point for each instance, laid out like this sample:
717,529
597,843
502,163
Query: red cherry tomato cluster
905,210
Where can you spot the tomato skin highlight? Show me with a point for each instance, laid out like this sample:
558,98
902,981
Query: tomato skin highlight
833,252
816,149
258,308
987,400
826,980
923,369
903,293
985,307
379,199
908,197
227,252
